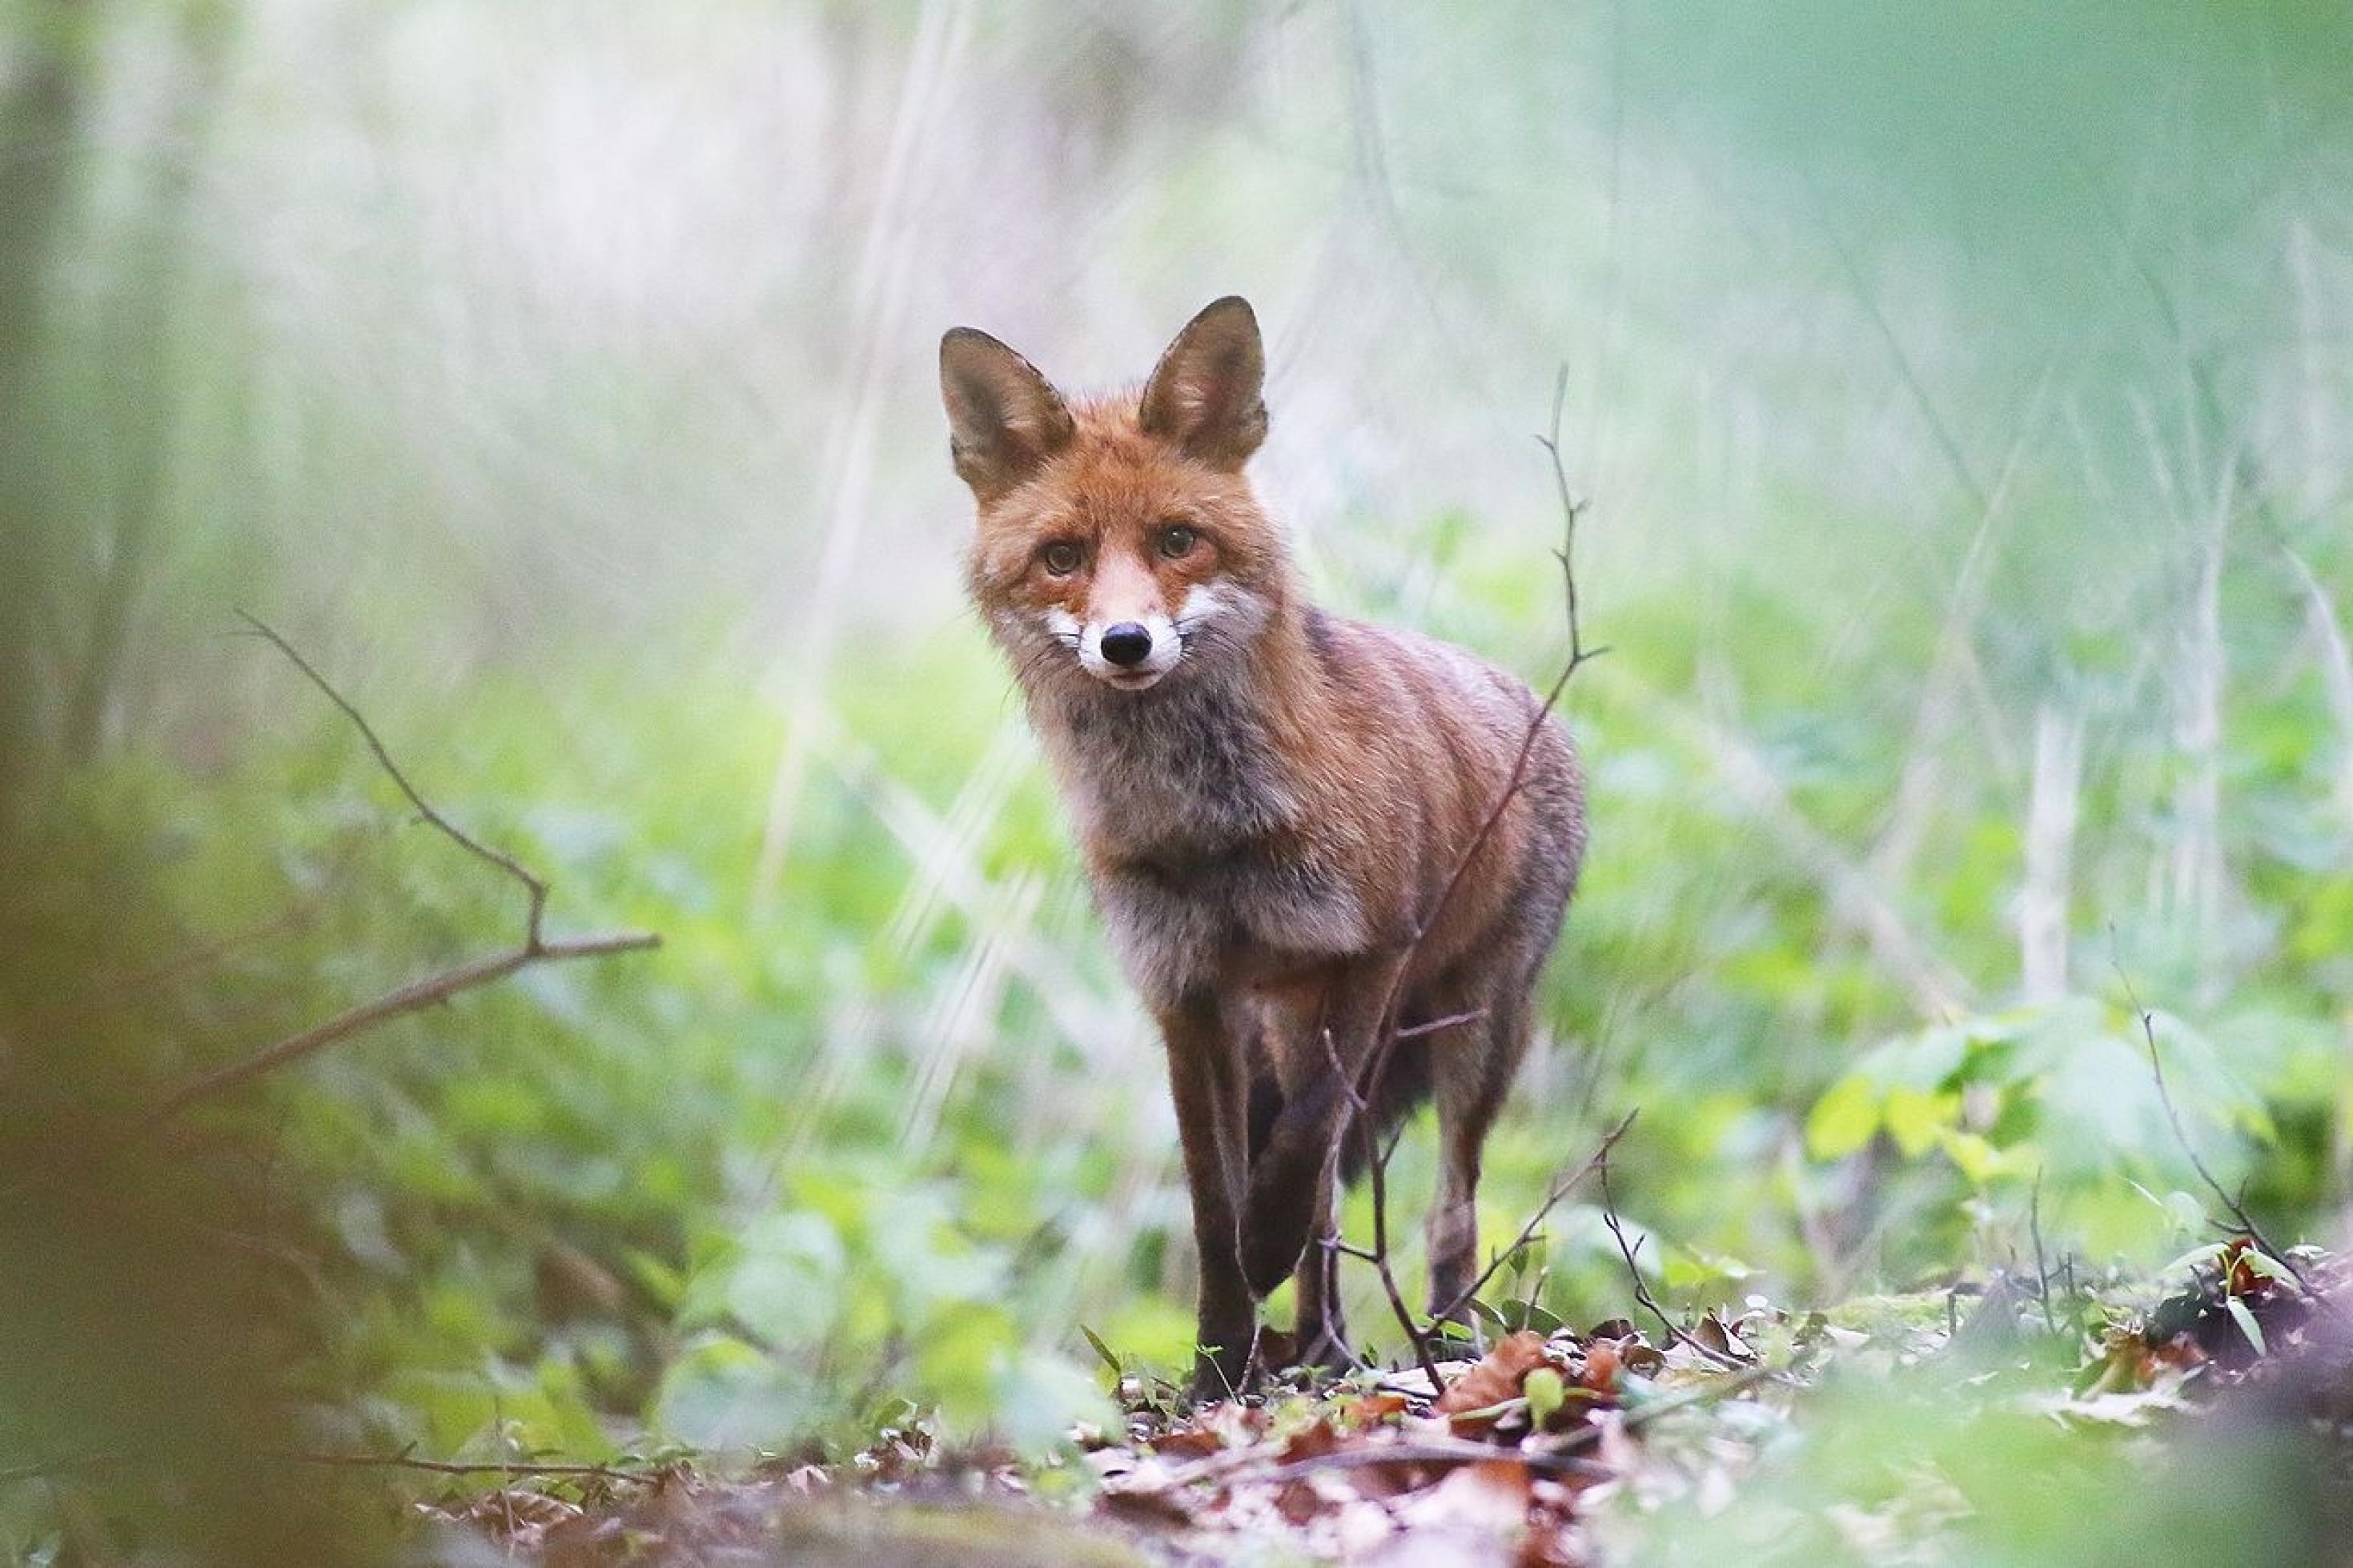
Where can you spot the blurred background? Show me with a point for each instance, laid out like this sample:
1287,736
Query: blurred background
1961,393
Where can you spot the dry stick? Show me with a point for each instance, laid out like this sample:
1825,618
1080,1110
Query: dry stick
1558,1459
2237,1210
1549,1461
1364,1089
1560,1189
535,889
534,947
1642,1290
1376,1162
409,998
2042,1269
1438,1025
1222,1467
449,1468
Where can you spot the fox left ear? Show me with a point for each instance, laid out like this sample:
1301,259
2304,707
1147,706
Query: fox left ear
1004,418
1206,396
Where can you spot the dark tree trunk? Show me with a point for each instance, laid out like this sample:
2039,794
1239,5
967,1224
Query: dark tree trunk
42,114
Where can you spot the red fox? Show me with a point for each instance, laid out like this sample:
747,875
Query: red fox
1272,802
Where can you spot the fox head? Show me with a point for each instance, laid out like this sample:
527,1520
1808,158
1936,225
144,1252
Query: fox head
1117,540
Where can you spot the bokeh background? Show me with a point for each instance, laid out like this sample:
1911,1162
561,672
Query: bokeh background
1962,397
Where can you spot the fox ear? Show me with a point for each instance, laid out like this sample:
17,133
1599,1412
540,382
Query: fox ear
1206,394
1004,418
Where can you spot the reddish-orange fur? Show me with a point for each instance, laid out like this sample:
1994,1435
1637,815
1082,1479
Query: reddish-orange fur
1273,803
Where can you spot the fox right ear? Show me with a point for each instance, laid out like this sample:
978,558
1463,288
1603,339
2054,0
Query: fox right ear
1004,418
1206,396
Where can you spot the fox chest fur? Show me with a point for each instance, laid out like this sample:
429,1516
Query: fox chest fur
1196,838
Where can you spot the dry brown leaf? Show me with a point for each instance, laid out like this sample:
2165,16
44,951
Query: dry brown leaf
1187,1443
1145,1507
1495,1379
1600,1374
1311,1443
1299,1502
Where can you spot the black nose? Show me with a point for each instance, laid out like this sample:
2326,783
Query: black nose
1126,645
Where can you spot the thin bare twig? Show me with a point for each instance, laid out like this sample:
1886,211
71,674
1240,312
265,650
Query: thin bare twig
1363,1087
1548,1461
409,998
1560,1189
1377,1162
1642,1288
2237,1210
535,890
1438,1025
2042,1269
534,947
1572,510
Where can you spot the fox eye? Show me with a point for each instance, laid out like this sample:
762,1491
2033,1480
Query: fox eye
1061,557
1176,541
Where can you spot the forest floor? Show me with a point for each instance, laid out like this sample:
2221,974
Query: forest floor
2000,1421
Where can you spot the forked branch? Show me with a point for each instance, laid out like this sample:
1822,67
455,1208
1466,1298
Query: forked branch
1362,1088
532,948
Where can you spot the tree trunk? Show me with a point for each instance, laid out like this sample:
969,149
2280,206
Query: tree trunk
42,114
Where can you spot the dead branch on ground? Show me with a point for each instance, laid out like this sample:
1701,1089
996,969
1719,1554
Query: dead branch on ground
511,1470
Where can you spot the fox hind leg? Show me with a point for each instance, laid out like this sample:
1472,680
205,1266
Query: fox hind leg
1472,1067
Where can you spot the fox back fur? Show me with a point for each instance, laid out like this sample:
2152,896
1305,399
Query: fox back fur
1273,805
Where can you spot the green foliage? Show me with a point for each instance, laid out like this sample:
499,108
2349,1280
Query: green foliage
1970,528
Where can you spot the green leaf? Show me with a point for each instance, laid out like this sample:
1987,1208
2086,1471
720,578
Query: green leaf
1105,1352
1979,1161
2245,1319
1545,1394
2205,1257
1542,1319
1842,1120
1914,1119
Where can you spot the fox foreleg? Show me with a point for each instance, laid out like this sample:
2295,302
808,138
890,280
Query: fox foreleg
1210,1080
